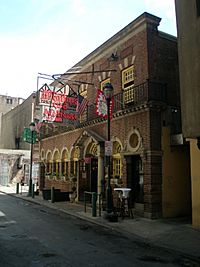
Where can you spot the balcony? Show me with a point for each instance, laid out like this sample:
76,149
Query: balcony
133,96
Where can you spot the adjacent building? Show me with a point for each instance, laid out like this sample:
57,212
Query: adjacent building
14,152
7,103
188,28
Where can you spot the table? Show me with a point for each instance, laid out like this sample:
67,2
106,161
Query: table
123,202
124,191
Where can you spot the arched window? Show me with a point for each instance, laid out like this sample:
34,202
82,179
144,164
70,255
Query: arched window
65,163
117,161
74,161
56,163
49,162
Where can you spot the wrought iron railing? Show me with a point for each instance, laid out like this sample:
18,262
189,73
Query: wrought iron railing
131,97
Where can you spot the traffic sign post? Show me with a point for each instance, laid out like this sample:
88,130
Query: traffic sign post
29,137
108,148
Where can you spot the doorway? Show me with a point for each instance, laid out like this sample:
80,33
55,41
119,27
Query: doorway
134,170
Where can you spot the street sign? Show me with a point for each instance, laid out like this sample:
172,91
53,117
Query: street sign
29,137
108,148
35,172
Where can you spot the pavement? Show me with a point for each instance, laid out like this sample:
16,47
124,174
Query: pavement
172,234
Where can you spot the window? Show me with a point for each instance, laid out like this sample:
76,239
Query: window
128,77
128,81
48,167
104,82
65,166
17,142
9,101
83,90
73,167
117,167
117,163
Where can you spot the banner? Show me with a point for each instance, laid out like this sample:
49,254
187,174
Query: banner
101,105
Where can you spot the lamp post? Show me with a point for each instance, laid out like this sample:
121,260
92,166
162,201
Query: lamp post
32,129
108,93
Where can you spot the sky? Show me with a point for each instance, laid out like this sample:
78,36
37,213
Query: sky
50,36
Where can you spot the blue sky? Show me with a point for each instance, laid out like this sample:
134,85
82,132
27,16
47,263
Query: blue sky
50,36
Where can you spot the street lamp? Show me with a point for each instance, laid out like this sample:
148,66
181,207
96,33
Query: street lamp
108,93
32,129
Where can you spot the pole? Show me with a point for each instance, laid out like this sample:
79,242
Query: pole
109,205
31,163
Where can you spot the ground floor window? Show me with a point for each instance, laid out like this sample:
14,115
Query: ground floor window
73,167
65,167
116,167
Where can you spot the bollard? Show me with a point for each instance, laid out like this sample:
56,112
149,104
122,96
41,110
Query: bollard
33,191
17,188
84,201
94,204
52,195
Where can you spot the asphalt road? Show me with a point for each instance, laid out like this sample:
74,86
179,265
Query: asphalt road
32,235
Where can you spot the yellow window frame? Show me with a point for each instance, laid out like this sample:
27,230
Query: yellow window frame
117,166
128,76
104,82
83,90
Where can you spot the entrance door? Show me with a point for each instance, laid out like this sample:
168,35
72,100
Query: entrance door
135,178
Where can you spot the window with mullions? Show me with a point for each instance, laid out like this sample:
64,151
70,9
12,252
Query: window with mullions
116,167
83,90
116,162
64,167
73,167
128,77
128,81
56,167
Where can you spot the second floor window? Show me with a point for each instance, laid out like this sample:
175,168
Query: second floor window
128,82
83,90
104,82
128,77
9,101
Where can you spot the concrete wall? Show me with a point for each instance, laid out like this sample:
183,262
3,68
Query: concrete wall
176,184
13,123
8,103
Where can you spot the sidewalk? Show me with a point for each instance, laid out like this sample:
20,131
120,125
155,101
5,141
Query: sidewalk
171,234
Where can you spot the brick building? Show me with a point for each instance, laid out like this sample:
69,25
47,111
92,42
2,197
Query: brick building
149,154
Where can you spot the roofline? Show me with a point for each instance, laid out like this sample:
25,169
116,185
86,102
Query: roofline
145,18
